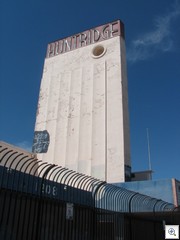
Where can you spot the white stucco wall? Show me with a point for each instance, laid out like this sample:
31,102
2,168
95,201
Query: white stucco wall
83,105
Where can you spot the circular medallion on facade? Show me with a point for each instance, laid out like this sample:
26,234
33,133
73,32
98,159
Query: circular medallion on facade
98,51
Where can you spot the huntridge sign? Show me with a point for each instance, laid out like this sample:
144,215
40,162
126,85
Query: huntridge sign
85,38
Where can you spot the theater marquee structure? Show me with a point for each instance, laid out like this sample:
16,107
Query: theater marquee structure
82,118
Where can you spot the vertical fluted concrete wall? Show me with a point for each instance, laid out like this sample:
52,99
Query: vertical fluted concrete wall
83,105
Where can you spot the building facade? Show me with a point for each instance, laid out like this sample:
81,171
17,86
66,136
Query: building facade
82,120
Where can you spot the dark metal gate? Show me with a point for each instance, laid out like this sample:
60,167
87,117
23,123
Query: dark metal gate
28,217
41,201
24,216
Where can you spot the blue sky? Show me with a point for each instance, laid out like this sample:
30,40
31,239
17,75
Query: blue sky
152,32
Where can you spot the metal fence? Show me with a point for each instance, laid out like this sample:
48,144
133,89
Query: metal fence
44,201
23,173
122,200
24,216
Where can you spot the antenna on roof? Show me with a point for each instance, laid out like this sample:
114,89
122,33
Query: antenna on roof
149,154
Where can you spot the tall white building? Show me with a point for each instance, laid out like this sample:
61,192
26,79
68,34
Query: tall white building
82,118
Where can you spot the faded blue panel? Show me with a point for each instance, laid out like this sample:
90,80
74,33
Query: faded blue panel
160,189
